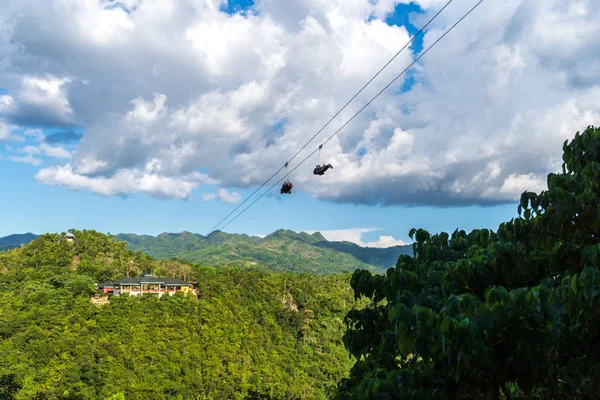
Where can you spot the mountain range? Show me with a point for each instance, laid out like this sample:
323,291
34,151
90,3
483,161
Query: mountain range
13,241
282,250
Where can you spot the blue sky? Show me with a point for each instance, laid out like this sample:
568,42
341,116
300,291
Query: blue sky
238,6
431,131
27,206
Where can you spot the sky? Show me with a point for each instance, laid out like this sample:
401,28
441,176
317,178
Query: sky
148,116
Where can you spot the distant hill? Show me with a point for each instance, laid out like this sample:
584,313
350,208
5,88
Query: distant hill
282,250
14,241
385,258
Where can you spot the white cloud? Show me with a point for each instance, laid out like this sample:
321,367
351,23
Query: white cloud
147,111
29,150
187,88
125,182
46,92
222,195
220,114
43,148
385,241
355,235
28,159
36,134
38,100
6,103
97,23
54,151
7,132
514,185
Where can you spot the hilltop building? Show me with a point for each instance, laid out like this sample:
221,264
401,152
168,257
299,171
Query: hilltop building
145,283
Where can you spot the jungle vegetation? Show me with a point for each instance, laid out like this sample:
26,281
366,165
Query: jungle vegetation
246,333
510,314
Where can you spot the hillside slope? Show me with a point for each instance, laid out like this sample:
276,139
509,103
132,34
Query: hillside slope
14,241
384,258
248,334
282,250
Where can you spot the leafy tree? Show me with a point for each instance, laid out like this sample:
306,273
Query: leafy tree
509,314
8,386
80,285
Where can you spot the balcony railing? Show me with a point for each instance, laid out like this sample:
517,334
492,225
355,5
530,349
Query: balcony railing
149,291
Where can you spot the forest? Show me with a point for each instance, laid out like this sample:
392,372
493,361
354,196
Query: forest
498,314
247,333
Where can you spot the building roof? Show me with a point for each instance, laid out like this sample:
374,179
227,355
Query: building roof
145,279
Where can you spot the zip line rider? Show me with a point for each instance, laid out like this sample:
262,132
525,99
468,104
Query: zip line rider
320,170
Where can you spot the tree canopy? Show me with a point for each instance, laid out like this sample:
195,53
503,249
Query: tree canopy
245,333
509,314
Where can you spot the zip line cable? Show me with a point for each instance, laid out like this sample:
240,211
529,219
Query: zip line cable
359,111
336,114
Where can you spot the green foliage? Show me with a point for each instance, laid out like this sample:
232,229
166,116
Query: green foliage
509,314
8,386
118,396
244,333
282,250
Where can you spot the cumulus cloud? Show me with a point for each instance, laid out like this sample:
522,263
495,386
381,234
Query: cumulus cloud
40,100
355,235
222,195
54,151
123,183
188,87
386,241
147,111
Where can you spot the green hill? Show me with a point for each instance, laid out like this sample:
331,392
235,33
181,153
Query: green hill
14,241
245,333
282,250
